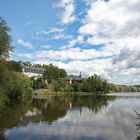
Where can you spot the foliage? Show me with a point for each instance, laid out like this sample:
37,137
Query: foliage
91,84
53,78
5,40
3,99
13,84
6,78
38,82
27,63
76,87
21,88
53,73
59,85
14,66
122,88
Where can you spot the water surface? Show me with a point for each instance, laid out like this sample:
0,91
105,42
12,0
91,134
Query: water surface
80,118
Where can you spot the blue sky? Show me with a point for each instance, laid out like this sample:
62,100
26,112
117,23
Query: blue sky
78,35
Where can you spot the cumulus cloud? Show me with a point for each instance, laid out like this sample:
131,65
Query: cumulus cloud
25,43
115,24
68,9
73,54
73,42
53,33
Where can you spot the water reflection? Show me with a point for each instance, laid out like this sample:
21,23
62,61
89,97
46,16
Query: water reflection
2,135
56,107
76,117
12,115
137,125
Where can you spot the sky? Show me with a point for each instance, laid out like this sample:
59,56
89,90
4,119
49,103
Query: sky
87,36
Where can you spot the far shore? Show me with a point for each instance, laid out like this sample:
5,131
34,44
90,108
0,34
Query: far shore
45,93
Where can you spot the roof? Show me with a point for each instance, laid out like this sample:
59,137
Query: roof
73,77
33,69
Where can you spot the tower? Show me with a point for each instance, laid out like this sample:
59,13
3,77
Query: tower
80,74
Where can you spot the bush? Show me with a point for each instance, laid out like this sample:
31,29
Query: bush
21,87
3,99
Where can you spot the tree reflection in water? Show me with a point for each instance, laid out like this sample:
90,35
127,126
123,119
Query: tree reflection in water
2,136
49,110
57,107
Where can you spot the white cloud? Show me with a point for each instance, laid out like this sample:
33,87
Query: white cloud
68,9
115,24
52,30
72,54
80,39
29,23
61,36
45,47
73,42
25,43
112,21
25,55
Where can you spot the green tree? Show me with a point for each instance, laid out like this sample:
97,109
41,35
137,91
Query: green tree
94,84
76,87
13,84
5,48
14,66
5,40
21,88
3,99
38,83
62,84
53,73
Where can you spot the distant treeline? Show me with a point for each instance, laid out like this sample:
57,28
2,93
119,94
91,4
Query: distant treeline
54,80
123,88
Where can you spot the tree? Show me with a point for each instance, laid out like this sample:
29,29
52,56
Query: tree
5,40
14,66
12,84
76,87
53,73
21,87
3,99
94,84
38,83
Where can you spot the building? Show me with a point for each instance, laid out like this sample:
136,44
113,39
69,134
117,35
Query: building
73,78
31,71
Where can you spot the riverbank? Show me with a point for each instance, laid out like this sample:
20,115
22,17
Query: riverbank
45,93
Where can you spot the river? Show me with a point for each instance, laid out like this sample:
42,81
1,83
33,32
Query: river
111,117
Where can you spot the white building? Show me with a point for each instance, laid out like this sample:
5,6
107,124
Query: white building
33,71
